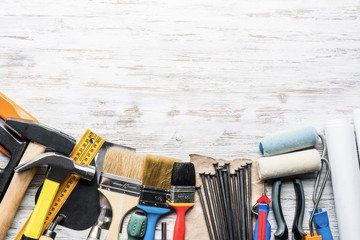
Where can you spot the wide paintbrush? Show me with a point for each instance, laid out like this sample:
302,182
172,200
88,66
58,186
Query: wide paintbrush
120,183
155,191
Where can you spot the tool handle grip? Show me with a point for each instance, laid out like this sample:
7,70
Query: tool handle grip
45,238
262,228
282,230
95,233
298,232
325,233
321,221
17,188
120,205
36,222
179,229
153,214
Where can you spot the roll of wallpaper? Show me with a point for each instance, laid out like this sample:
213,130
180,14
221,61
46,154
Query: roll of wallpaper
345,176
356,115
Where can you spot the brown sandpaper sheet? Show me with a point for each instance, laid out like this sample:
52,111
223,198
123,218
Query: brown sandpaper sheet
195,226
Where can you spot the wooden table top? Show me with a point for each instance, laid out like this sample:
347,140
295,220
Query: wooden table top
178,77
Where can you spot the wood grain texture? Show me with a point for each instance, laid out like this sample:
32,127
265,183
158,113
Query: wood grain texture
180,76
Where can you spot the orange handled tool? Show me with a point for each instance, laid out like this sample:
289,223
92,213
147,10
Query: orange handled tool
13,147
9,108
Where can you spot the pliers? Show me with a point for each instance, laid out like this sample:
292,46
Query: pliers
297,230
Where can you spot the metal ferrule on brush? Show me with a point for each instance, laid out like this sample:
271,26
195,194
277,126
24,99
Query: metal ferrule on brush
182,194
154,197
120,184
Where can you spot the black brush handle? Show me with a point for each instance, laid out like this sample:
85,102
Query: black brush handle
282,230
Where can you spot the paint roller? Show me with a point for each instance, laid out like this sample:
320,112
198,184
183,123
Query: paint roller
292,162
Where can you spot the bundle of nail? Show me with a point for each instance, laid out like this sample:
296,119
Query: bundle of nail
227,210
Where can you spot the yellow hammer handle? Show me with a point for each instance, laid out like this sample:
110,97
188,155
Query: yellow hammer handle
34,228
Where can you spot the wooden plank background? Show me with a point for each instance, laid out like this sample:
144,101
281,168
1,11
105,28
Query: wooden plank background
177,77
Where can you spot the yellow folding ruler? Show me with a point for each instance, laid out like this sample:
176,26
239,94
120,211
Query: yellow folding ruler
83,153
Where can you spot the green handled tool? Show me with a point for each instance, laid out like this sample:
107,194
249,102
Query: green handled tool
297,230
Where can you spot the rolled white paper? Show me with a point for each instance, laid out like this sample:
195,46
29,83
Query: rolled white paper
345,176
356,115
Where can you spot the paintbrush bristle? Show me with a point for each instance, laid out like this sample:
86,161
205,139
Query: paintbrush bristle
123,162
157,171
183,174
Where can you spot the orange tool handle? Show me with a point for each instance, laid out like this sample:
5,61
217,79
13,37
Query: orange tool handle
9,108
179,230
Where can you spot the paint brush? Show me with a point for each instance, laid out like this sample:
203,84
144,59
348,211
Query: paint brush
120,183
182,195
155,190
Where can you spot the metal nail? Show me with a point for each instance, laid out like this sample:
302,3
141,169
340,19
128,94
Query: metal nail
225,173
212,220
250,201
235,206
214,207
205,213
218,206
245,202
240,179
223,200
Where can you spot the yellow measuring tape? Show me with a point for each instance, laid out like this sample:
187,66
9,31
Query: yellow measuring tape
83,153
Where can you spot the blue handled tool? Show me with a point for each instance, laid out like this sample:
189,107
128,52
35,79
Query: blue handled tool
263,228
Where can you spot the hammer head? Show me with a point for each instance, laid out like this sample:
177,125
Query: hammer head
59,167
44,135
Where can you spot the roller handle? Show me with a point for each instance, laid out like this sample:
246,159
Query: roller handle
153,214
298,232
282,230
17,188
321,221
179,229
34,228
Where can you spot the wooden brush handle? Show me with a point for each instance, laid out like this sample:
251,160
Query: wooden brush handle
120,204
45,238
17,188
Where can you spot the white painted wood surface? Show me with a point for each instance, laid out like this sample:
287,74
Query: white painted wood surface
181,76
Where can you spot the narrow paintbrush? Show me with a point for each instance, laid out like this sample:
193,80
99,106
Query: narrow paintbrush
155,191
120,183
182,195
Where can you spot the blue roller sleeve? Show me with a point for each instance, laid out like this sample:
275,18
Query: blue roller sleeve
288,141
321,221
153,214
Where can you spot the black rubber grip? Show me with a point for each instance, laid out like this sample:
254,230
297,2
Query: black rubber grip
282,230
27,238
298,232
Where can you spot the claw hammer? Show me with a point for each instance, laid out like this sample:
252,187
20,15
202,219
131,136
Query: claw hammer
59,167
40,137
